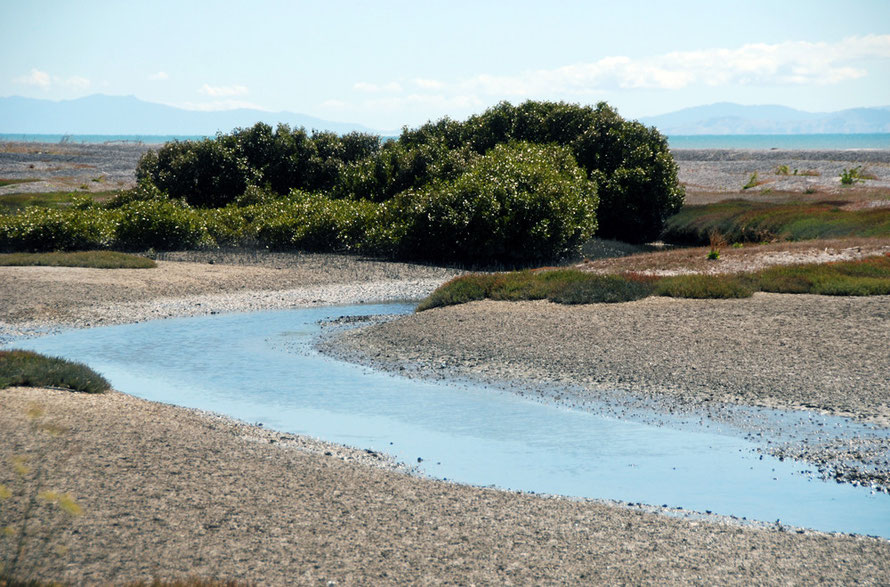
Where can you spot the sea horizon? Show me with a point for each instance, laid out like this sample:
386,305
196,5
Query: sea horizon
832,141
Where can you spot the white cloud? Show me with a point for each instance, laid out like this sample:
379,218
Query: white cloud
788,63
36,78
428,84
44,81
796,63
159,76
223,91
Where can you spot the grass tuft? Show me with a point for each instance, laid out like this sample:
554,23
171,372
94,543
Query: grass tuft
34,370
598,289
700,286
92,259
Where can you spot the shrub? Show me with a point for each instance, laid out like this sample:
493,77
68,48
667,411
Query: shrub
520,203
43,229
460,290
631,163
601,289
314,222
31,369
163,225
850,278
206,173
851,176
704,287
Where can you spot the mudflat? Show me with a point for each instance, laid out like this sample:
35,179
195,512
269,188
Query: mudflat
169,492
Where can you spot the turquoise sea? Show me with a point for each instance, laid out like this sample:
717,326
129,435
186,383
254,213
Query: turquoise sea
820,141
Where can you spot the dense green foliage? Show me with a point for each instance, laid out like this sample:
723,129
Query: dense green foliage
519,203
746,221
92,259
570,286
429,168
512,186
34,370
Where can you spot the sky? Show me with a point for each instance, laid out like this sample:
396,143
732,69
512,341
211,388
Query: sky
387,64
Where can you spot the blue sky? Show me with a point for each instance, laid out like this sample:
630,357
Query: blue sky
391,63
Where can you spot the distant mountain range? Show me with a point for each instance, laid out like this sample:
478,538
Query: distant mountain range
734,119
127,115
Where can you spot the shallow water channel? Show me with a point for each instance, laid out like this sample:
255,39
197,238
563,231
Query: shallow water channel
261,367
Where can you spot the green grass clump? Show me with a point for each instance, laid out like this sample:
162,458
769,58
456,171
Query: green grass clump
704,287
460,290
601,289
570,286
5,181
34,370
867,277
92,259
746,221
15,203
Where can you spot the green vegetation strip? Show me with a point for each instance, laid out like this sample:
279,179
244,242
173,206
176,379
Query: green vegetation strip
92,259
5,182
16,203
570,286
33,370
745,221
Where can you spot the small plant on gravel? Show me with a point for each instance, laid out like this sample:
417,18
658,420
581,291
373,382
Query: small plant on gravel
704,287
783,170
35,370
717,241
851,176
32,516
752,182
599,289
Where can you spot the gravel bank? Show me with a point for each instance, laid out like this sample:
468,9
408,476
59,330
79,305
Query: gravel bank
663,355
726,171
70,166
169,493
41,299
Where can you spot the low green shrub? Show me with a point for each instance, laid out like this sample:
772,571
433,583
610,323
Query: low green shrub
93,259
598,289
34,370
313,222
163,225
460,290
44,229
570,286
520,203
850,278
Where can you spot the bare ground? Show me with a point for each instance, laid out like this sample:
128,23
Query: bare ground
169,493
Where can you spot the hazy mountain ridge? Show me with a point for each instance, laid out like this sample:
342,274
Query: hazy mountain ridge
128,115
728,119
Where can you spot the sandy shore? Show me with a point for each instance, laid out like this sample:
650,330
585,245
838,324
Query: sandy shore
169,492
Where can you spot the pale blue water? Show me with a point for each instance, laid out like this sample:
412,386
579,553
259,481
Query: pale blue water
819,141
261,368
